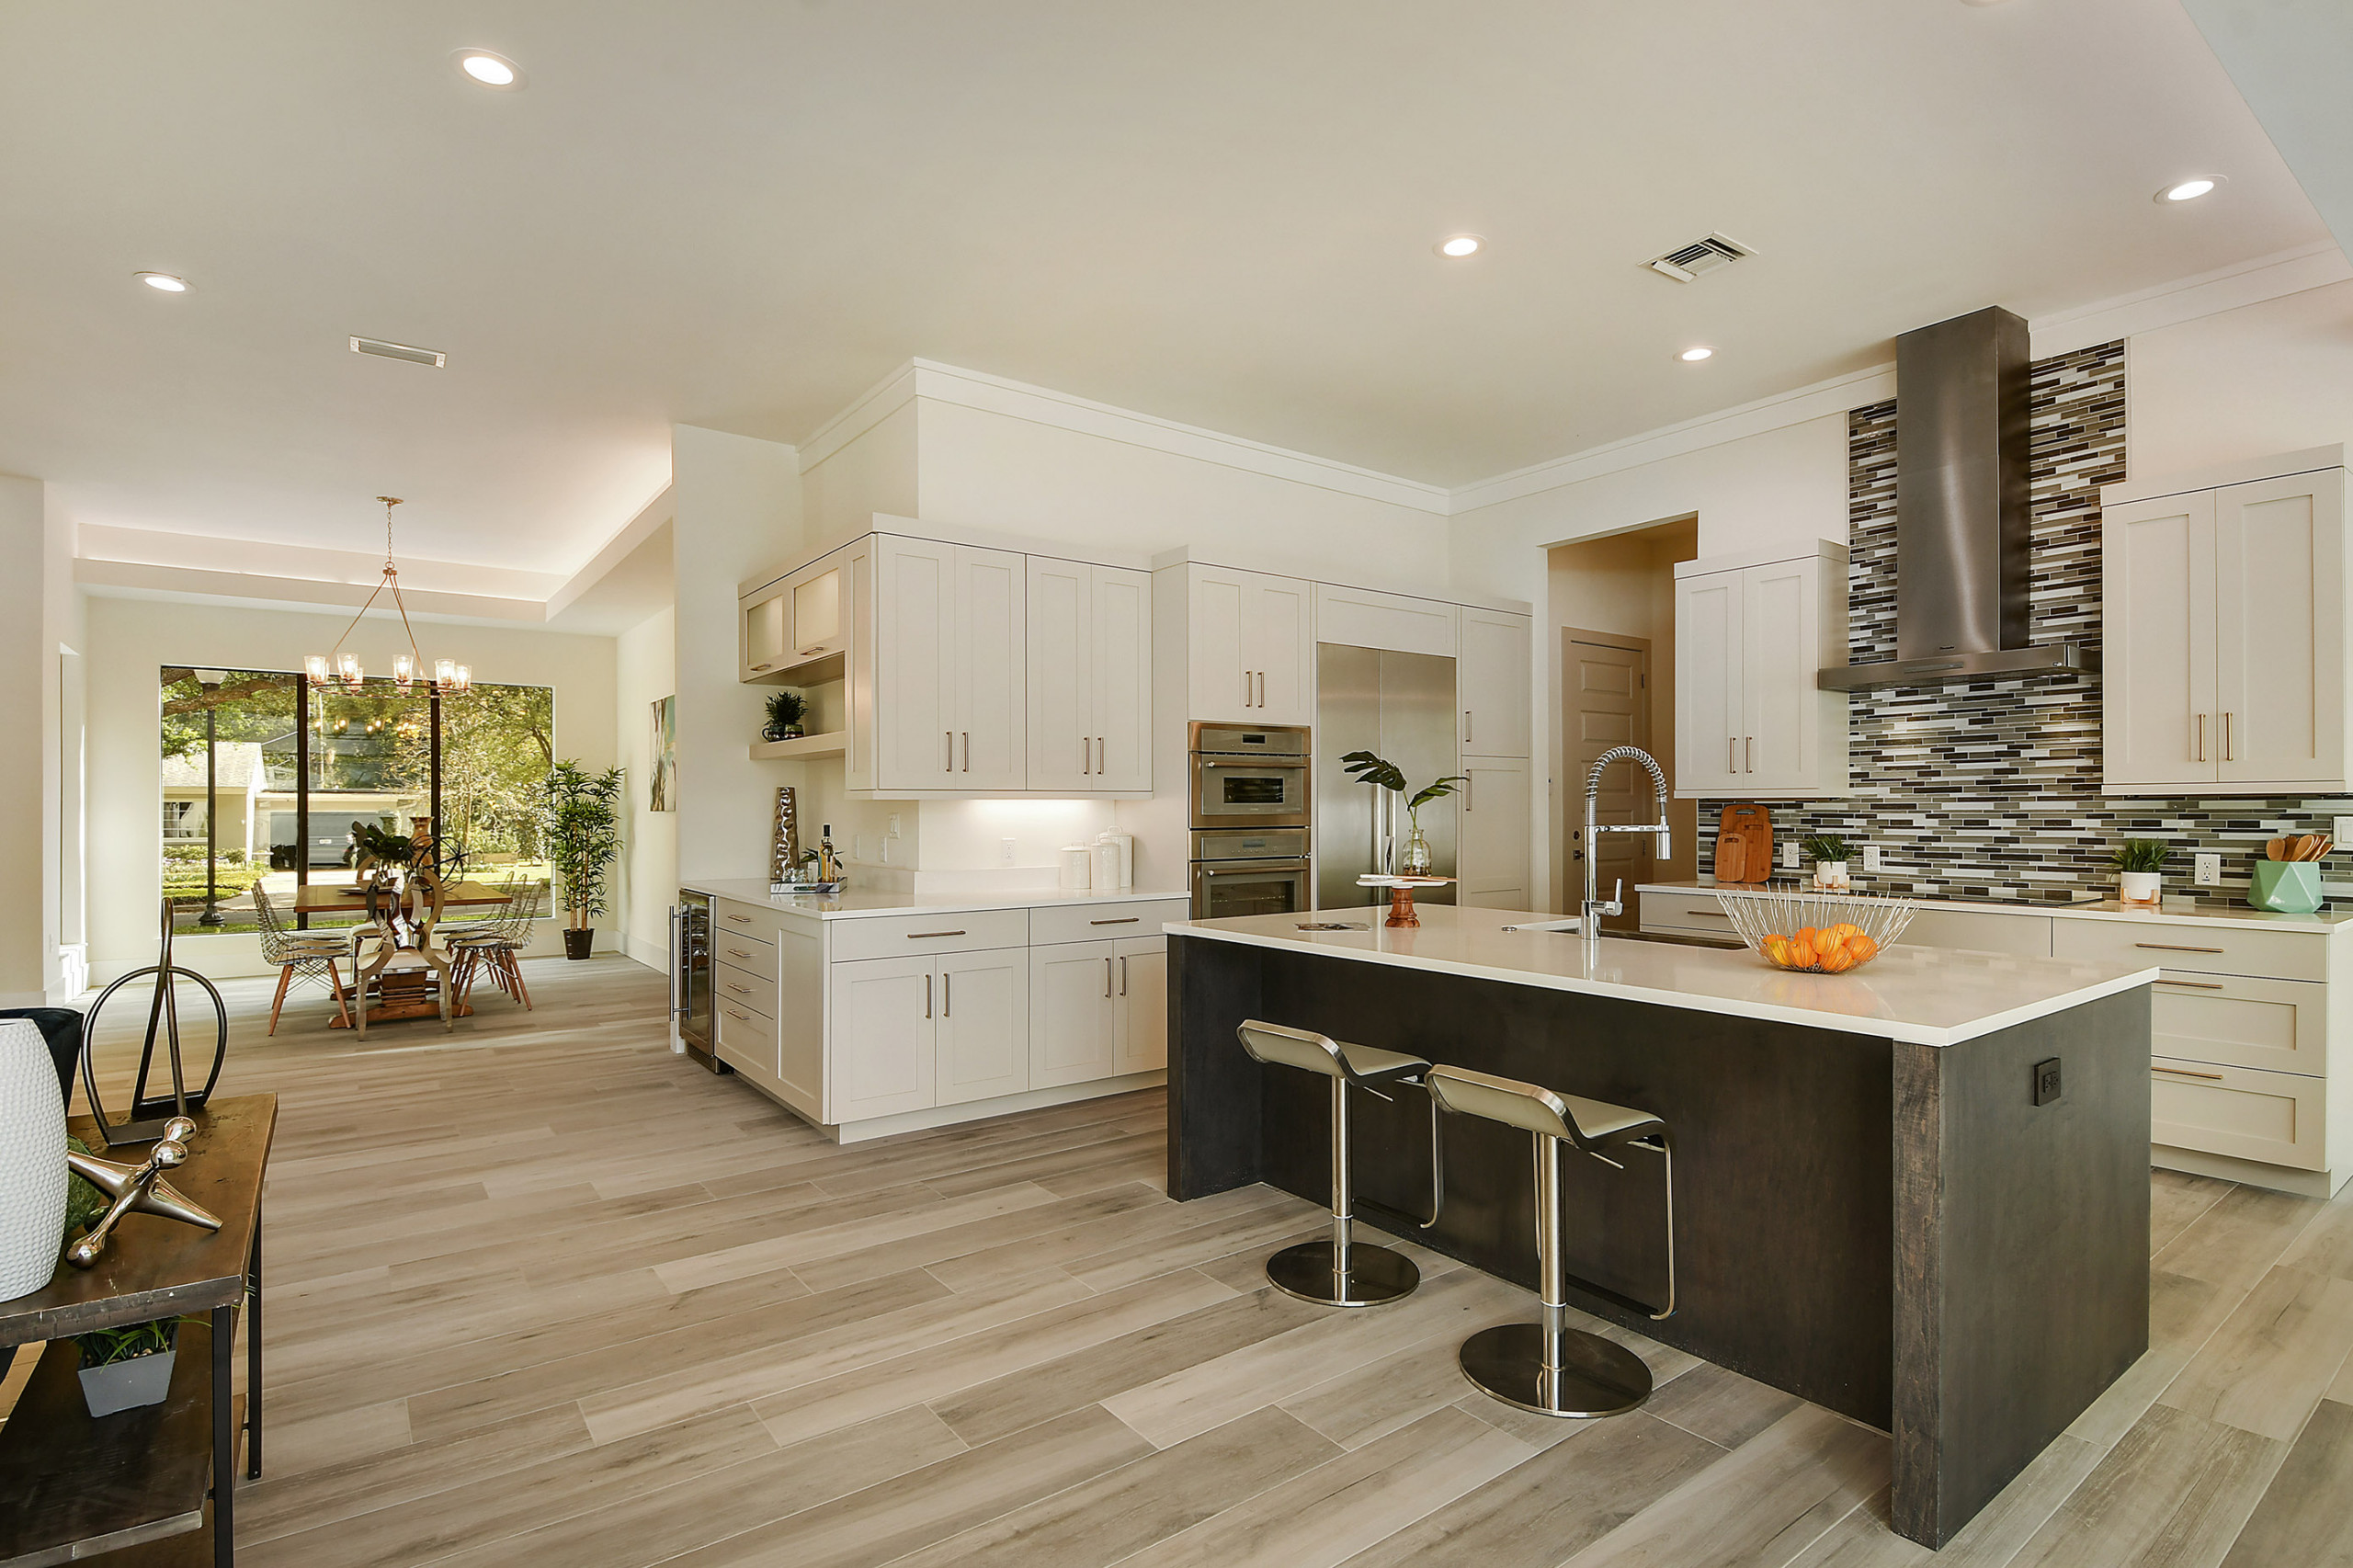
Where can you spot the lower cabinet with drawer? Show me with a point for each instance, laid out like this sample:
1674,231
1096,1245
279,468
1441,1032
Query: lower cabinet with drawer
870,1025
2280,1119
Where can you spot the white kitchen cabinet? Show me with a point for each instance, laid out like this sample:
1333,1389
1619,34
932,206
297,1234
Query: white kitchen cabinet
1140,1022
1492,858
980,1044
765,614
1493,680
879,1055
1750,636
2225,660
948,666
1089,677
799,1027
1250,647
1402,623
1073,1009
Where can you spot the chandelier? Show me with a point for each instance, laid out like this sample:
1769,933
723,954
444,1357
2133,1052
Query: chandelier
450,678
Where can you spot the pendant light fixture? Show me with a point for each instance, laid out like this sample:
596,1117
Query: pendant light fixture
339,665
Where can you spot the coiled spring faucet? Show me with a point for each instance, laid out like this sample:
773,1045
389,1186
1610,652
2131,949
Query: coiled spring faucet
1591,911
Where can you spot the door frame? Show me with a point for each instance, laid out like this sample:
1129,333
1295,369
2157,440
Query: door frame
1567,883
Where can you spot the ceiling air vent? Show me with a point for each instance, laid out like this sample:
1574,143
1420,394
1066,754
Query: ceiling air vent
1688,264
377,346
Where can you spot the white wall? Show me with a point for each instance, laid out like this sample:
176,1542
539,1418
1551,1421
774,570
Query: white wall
644,671
25,712
130,640
2274,377
841,493
738,512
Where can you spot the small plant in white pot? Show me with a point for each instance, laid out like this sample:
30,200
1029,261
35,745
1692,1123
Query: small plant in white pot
1829,853
2140,870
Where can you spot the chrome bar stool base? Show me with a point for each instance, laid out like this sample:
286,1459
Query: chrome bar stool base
1372,1277
1583,1374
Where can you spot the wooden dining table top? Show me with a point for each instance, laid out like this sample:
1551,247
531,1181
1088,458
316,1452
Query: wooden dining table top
332,898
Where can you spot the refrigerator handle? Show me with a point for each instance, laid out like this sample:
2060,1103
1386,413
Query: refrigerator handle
677,960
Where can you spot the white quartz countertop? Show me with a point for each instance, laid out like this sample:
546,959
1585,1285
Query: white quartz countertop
1921,995
2321,922
856,902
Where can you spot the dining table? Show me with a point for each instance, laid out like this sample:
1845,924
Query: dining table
411,972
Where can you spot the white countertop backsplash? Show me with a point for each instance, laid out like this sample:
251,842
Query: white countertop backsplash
1921,995
2183,912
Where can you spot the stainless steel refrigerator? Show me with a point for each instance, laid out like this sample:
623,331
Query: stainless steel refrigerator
1399,706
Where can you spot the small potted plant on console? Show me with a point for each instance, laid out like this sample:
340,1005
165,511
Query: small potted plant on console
2140,870
1829,853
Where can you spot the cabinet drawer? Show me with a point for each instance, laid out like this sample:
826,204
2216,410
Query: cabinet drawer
743,949
1686,912
1092,921
2240,1111
2281,1024
912,935
742,987
2204,949
729,919
745,1035
2028,935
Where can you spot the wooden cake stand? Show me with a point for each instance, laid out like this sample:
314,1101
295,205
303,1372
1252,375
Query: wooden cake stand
1400,895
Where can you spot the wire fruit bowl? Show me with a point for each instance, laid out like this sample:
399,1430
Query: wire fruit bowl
1816,933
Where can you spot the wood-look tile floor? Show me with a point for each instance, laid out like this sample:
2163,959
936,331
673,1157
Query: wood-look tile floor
540,1292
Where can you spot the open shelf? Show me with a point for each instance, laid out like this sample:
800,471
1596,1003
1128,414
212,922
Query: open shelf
801,748
804,671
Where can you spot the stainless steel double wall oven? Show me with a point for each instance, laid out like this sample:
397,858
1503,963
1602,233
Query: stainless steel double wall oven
1252,796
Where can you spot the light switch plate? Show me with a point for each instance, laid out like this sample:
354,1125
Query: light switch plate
2209,870
2343,832
1870,857
1790,854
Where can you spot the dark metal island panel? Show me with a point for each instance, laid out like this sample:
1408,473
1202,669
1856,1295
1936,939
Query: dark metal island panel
1892,1229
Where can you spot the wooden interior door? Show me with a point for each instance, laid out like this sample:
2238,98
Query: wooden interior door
1605,681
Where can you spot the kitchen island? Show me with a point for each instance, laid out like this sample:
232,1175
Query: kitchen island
1871,1211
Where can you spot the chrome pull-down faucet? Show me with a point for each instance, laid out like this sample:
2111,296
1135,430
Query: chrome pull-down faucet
1591,911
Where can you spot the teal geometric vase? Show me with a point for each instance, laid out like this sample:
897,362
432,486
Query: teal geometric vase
2286,887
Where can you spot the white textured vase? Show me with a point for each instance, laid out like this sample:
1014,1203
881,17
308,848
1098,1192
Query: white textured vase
32,1161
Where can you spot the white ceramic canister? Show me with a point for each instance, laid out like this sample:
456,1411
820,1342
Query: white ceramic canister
32,1161
1127,843
1077,876
1107,866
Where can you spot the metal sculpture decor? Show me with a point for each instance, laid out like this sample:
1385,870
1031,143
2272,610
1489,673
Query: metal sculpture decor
784,839
148,1112
136,1189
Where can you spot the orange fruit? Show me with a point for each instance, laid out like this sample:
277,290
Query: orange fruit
1802,953
1848,928
1837,959
1808,935
1863,948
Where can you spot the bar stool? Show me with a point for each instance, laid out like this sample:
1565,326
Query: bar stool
1548,1367
1341,1272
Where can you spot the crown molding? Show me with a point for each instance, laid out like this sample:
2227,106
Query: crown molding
868,409
2316,265
636,531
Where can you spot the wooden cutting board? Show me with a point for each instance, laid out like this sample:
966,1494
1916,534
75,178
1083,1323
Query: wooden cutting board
1744,845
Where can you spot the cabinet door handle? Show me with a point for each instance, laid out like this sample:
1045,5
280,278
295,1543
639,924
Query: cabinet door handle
739,990
2186,1072
946,996
2174,947
926,996
741,1019
2201,739
1466,797
967,751
737,953
1101,751
949,737
1124,920
1107,977
1245,688
2193,985
1466,726
1123,976
1752,755
2230,753
919,935
1081,753
1261,688
1731,754
740,919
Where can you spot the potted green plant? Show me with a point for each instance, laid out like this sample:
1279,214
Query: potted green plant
1415,858
128,1367
2140,870
584,834
1829,853
786,711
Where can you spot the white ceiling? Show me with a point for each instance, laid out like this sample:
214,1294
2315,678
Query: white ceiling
1222,212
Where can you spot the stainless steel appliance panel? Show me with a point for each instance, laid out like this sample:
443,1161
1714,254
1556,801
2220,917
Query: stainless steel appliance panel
1250,778
690,994
1226,889
1399,706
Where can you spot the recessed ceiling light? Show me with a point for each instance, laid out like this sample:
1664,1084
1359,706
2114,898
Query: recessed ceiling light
164,281
2189,189
1695,353
489,70
1454,247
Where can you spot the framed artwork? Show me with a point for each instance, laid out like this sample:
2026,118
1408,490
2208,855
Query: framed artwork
663,785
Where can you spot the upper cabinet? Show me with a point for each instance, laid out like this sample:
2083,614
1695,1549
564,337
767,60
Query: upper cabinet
1492,678
1089,676
1364,617
1750,635
949,629
2224,658
1249,647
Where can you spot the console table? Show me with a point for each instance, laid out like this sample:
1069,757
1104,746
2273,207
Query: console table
78,1488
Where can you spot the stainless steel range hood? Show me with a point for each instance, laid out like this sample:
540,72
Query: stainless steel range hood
1962,541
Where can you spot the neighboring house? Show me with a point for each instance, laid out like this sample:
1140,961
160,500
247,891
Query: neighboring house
238,781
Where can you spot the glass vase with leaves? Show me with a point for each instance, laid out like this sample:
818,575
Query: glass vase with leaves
583,835
1413,857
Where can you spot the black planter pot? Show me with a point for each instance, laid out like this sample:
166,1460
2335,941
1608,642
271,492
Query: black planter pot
579,940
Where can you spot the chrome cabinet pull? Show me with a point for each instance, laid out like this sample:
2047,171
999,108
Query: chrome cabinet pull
2230,753
967,751
2193,985
926,996
1123,976
2186,1072
1245,688
737,953
919,935
1107,977
1731,754
946,996
1101,751
1466,726
949,736
1081,753
740,919
2174,947
1752,755
737,1016
739,990
1124,920
2201,739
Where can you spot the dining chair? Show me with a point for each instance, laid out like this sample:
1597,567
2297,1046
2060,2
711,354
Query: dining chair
497,944
309,955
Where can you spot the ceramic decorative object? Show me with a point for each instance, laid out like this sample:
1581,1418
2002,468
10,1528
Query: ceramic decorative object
2286,887
1830,875
125,1385
32,1161
2143,887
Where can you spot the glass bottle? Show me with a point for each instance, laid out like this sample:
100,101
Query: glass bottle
1416,859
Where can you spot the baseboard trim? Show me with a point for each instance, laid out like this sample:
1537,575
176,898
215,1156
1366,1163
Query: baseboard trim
972,1110
2249,1173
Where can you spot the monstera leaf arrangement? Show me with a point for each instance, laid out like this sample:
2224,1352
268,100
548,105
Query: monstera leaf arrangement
1378,771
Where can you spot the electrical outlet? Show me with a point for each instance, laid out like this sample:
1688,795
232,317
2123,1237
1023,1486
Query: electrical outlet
2343,833
893,830
2047,1085
1870,857
1005,851
1790,854
2209,870
858,847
